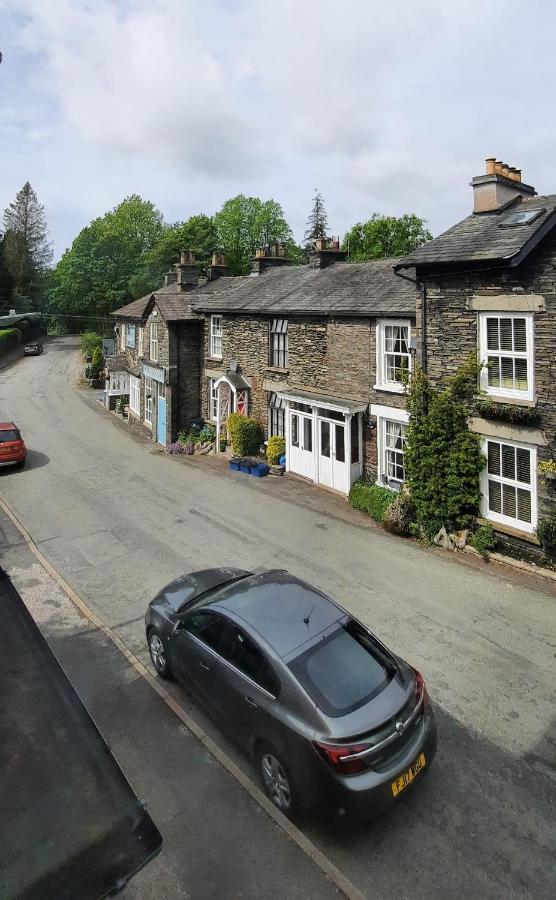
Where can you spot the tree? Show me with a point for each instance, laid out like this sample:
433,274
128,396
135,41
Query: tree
317,223
6,278
385,236
27,251
198,233
246,223
93,277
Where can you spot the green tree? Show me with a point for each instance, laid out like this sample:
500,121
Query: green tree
6,279
198,233
317,223
385,236
443,458
246,223
26,248
93,276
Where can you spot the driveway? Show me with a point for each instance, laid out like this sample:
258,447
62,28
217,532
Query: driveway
118,520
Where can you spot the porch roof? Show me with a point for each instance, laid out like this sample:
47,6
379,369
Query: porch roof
121,363
324,400
237,381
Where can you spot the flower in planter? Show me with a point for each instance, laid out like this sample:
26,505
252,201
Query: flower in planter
547,467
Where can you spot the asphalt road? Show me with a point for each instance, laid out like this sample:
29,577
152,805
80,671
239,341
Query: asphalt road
119,520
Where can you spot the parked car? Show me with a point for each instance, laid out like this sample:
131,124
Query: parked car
331,716
34,348
12,446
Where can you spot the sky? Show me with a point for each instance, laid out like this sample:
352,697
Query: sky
387,107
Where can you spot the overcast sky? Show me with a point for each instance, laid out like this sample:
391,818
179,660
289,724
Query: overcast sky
387,106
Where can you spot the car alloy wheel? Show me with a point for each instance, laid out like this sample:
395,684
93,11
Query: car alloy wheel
276,781
158,654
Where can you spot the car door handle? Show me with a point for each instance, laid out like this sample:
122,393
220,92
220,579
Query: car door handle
250,702
204,666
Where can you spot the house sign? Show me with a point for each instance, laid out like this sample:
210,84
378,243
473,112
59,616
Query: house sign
154,373
107,347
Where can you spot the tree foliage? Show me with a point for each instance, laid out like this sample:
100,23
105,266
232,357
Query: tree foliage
317,223
27,251
385,236
443,458
244,224
6,278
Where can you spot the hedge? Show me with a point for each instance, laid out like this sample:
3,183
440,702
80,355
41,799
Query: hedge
245,433
372,499
9,337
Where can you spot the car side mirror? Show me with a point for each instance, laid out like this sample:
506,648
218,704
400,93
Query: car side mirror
178,626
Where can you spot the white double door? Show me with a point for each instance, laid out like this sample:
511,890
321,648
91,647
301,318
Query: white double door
322,457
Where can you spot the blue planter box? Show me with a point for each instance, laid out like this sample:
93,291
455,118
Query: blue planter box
234,466
245,469
260,470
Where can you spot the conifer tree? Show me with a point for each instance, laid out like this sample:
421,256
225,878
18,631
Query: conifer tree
26,247
317,223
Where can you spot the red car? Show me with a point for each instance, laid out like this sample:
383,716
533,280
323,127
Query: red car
12,446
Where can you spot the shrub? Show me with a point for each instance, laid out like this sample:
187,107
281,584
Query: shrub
483,540
546,532
90,340
547,467
98,359
175,448
207,433
9,337
246,434
276,448
400,515
371,498
443,458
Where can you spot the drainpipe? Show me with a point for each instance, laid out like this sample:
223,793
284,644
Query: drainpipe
423,290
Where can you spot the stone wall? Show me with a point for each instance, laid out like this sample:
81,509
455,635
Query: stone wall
452,332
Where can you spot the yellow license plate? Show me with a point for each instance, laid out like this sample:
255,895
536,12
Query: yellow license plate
407,777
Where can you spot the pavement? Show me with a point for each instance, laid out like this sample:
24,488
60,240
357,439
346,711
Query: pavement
117,519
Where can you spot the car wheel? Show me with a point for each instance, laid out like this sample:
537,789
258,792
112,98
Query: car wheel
20,465
157,651
277,781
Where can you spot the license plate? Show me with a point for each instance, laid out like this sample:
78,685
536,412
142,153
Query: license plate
407,777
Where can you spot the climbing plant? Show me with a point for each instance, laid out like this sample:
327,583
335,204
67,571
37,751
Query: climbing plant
443,458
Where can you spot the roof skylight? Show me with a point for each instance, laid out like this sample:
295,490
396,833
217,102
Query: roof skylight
522,217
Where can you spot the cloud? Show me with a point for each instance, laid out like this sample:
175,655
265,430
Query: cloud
386,107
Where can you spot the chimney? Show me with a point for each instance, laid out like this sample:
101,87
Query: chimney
13,312
327,251
187,275
500,185
218,267
170,278
269,257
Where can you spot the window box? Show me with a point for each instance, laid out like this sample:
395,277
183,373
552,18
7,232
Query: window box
259,470
234,464
508,412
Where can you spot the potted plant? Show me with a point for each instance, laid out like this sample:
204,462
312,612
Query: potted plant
275,450
547,468
546,533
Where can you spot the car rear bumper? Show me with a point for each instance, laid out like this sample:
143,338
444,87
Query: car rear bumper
12,459
370,794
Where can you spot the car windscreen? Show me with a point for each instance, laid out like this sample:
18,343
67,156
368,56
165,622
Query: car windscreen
344,670
11,434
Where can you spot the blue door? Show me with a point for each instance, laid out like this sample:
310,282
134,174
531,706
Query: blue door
161,421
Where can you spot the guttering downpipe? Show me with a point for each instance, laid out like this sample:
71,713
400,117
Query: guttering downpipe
422,287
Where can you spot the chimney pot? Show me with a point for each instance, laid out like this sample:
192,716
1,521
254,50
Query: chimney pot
187,258
490,165
501,184
517,174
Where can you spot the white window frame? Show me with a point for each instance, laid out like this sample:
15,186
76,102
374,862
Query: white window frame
149,386
278,344
216,337
386,414
130,329
153,342
382,383
213,399
276,416
135,395
528,355
122,335
493,516
140,340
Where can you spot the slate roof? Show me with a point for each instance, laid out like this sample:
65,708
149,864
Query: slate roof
481,238
172,303
367,288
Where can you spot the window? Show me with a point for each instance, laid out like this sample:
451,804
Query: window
394,447
509,484
153,349
308,434
135,395
393,354
295,431
140,342
523,217
122,336
354,439
507,352
242,653
149,401
325,439
343,671
9,434
213,399
207,626
278,355
130,335
216,337
276,416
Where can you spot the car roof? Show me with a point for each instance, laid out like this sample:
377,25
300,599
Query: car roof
7,426
275,604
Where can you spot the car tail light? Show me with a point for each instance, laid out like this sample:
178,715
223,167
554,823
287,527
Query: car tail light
421,690
337,755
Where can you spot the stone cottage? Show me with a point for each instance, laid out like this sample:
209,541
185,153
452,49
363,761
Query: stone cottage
489,285
315,353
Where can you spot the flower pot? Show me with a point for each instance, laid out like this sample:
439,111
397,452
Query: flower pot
234,465
259,470
550,476
245,468
277,470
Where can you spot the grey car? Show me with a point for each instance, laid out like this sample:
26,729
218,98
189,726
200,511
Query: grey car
333,719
